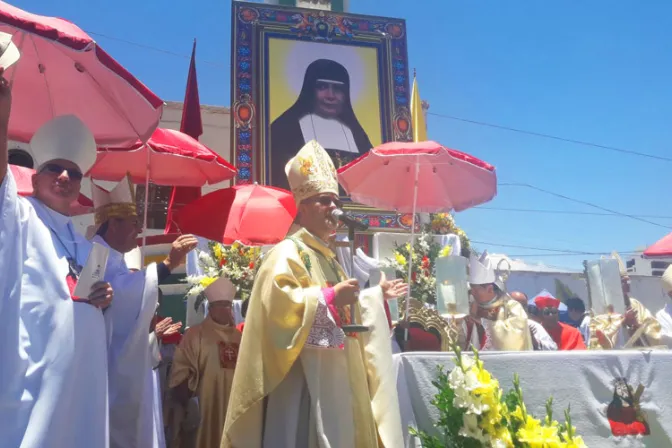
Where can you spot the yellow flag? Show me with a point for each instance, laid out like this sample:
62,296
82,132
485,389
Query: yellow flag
417,117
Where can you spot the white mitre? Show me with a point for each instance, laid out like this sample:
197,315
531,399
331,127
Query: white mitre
481,271
65,137
9,54
133,259
220,290
667,279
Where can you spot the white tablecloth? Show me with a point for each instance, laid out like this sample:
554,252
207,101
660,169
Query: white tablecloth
583,379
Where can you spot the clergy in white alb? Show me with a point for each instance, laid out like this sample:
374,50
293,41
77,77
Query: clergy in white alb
300,381
116,226
133,416
62,345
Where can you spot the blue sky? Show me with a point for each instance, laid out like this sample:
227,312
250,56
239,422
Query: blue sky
594,71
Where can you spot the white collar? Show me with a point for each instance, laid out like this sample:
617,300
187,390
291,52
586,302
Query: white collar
55,219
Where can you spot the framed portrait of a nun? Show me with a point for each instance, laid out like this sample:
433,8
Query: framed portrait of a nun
301,74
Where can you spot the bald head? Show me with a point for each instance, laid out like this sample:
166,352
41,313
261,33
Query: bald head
519,297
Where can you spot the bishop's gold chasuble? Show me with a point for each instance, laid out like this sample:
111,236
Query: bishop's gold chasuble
206,359
351,384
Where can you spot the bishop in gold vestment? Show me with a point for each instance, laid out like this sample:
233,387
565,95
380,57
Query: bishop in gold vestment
500,322
637,328
300,380
204,364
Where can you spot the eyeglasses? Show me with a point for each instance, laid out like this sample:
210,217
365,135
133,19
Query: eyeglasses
328,200
549,311
55,168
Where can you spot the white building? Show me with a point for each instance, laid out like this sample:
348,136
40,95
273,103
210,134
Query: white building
648,266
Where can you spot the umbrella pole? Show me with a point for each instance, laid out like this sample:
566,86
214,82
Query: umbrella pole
143,252
410,252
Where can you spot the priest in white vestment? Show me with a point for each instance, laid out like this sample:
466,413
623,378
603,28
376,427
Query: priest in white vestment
300,381
134,422
664,316
61,348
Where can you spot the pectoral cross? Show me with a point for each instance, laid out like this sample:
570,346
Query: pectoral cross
228,355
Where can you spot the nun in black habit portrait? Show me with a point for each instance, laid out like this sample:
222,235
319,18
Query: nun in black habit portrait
322,112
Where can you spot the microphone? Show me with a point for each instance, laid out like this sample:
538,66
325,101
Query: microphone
348,220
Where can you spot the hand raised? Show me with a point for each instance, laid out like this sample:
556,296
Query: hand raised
392,289
179,250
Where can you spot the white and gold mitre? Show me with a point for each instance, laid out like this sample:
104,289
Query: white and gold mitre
118,203
311,172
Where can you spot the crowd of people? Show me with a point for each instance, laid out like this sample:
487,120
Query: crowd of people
104,371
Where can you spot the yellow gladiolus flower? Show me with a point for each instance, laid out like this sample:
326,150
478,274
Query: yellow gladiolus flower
400,259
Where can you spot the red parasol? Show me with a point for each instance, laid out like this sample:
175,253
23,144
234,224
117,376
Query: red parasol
63,71
253,215
661,248
422,177
168,158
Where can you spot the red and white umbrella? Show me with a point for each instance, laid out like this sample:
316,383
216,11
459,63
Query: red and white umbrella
422,177
168,158
24,184
62,71
253,215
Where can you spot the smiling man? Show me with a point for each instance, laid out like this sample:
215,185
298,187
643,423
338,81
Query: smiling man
300,380
53,353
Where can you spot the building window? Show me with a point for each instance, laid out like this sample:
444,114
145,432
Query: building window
630,263
20,157
159,197
660,265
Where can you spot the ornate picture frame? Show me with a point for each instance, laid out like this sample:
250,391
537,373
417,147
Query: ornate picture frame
254,25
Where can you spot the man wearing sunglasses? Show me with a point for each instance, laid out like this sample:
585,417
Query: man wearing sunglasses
565,336
53,353
300,380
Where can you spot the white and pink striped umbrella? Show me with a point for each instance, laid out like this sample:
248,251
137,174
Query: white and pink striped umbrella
422,177
63,71
168,158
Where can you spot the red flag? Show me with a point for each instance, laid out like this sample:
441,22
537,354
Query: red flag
192,126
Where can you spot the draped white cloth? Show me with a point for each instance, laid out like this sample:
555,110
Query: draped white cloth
53,387
135,298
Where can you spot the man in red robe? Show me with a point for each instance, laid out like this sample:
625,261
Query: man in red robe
565,336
